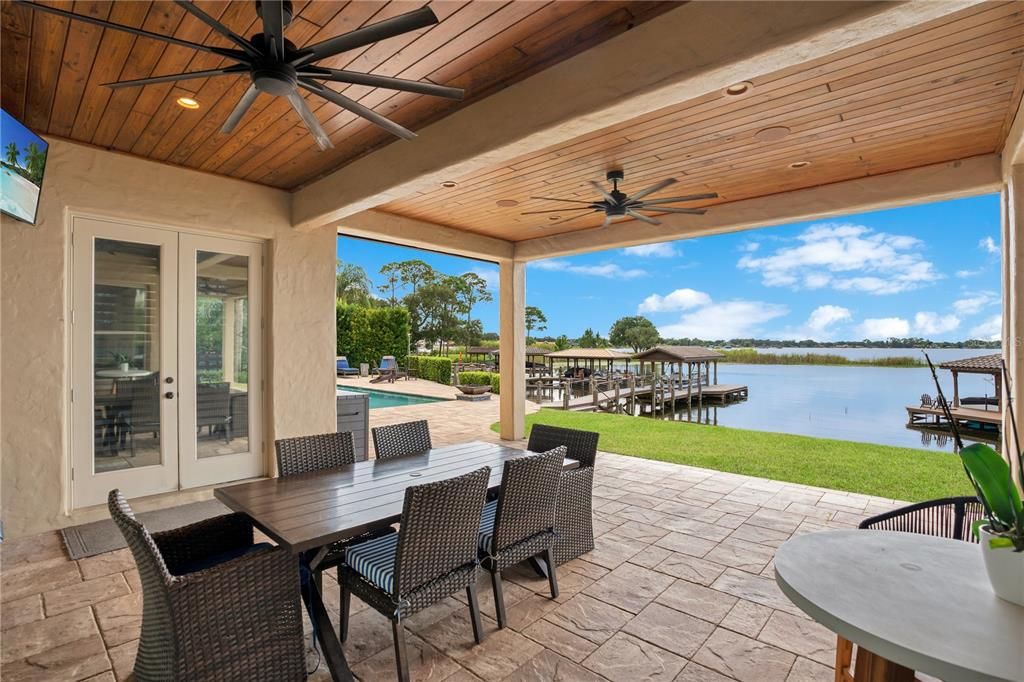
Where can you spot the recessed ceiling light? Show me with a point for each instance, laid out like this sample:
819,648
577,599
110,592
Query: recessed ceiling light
741,88
800,164
188,103
773,134
507,202
448,183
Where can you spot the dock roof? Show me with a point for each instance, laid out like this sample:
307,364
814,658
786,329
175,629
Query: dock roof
590,354
981,364
678,354
530,350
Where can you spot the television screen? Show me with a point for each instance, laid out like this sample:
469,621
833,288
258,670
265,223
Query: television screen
23,156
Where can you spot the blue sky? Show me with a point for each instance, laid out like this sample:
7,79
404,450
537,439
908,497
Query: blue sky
13,131
930,270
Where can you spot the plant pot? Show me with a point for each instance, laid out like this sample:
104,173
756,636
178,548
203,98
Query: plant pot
474,389
124,367
1005,569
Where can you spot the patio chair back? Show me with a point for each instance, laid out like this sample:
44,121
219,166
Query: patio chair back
213,403
950,517
388,362
343,362
926,400
440,530
398,440
143,397
313,453
527,498
579,445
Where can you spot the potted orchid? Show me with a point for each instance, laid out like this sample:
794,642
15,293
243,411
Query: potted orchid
1001,531
122,360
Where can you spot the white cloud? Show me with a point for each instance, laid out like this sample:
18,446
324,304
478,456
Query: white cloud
964,274
973,304
988,245
826,315
750,247
680,299
659,250
933,323
489,275
884,327
990,330
609,270
728,320
845,257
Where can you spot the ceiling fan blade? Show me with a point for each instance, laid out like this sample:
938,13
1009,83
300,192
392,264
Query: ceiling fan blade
652,189
559,210
236,55
582,215
607,221
691,197
239,111
220,28
403,23
575,201
603,192
669,209
646,219
315,129
375,81
272,13
189,75
356,108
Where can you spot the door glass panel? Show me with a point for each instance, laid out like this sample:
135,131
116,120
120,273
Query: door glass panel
126,355
222,354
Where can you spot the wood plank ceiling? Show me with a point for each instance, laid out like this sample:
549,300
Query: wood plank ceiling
943,91
53,68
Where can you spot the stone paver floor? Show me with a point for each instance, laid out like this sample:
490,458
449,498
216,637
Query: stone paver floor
679,587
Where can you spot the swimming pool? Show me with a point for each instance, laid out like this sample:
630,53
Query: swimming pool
388,399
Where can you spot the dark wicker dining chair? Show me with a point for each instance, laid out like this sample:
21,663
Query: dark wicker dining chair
574,520
520,524
215,606
399,440
949,517
313,453
433,555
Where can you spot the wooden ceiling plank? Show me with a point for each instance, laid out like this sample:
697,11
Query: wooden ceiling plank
80,50
49,33
14,73
175,59
16,18
163,19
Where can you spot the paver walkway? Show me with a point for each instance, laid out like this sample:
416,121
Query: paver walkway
680,587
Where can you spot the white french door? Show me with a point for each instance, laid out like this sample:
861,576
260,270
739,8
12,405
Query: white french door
165,357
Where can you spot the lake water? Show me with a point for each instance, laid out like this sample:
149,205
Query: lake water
848,403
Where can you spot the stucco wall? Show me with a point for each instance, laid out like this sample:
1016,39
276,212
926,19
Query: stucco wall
34,376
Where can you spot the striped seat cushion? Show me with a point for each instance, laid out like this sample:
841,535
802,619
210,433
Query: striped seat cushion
487,524
375,560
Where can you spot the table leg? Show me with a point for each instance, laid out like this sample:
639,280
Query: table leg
873,668
325,634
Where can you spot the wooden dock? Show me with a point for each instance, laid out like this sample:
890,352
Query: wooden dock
636,395
963,416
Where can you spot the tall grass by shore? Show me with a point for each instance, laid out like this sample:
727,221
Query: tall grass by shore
749,356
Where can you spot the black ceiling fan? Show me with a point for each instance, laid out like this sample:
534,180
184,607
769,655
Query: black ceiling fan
616,204
277,67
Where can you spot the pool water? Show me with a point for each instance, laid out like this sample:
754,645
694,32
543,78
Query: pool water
388,399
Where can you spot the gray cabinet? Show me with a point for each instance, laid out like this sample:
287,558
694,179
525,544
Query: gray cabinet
354,416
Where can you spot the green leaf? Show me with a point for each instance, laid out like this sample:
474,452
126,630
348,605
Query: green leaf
976,527
992,474
1000,542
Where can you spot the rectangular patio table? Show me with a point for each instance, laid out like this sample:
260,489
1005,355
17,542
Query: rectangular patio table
312,511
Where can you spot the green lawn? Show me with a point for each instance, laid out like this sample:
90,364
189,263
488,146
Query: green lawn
899,473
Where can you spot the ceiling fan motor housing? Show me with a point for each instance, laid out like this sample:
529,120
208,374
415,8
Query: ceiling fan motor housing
274,78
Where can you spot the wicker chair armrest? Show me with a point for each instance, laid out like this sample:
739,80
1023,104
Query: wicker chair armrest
577,480
250,606
188,544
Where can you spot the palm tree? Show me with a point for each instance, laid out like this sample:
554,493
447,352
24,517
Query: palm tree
12,153
351,284
35,160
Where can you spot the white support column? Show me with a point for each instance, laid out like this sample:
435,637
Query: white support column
227,342
512,310
1013,300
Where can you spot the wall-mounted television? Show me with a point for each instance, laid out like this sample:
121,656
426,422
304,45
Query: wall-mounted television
23,160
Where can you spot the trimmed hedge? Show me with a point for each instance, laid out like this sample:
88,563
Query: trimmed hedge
368,334
432,368
492,378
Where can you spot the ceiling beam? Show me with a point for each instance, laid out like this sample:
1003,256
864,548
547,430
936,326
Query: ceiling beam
697,48
420,234
1013,149
951,180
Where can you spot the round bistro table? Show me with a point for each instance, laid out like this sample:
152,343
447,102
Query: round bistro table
913,602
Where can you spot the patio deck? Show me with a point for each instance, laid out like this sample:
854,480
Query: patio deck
679,587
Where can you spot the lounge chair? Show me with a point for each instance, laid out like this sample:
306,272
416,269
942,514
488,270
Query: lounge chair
926,401
388,371
343,368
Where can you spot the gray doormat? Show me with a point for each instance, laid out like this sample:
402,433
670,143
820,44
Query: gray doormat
98,537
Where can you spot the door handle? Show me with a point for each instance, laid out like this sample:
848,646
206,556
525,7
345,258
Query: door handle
169,380
169,395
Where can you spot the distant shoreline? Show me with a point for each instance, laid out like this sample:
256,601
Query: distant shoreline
750,356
